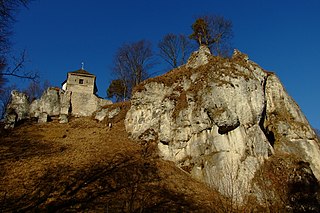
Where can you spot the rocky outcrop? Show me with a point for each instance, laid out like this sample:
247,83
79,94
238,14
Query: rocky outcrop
17,109
220,119
54,102
287,127
107,113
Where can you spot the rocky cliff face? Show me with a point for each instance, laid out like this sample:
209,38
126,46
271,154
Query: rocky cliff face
220,119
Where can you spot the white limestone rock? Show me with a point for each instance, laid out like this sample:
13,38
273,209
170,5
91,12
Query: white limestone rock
43,117
200,57
17,109
289,127
214,118
65,102
63,118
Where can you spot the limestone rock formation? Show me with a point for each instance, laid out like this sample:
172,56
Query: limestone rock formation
17,109
220,119
49,103
106,113
54,102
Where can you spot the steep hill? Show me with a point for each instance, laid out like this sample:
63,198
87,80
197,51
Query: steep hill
85,165
214,135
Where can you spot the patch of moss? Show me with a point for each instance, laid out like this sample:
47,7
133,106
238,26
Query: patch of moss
182,103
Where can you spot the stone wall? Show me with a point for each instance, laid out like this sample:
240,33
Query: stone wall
74,85
84,104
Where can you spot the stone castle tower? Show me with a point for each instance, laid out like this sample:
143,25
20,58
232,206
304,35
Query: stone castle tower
80,81
82,88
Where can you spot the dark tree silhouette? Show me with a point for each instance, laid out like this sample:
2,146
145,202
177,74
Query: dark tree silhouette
117,89
175,49
132,63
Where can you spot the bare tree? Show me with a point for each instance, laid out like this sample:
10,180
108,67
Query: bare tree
35,89
5,97
132,63
8,9
175,49
215,32
16,70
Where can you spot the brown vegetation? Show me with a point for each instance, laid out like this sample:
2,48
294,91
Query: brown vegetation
84,165
287,184
218,70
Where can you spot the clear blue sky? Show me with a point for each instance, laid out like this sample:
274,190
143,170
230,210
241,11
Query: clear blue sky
280,35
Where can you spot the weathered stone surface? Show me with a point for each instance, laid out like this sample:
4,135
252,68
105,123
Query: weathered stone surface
200,57
63,118
288,126
17,109
113,112
34,110
10,120
65,102
54,102
213,118
101,114
109,113
90,101
49,103
43,117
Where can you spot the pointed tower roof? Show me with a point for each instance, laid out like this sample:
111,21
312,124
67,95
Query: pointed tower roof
82,71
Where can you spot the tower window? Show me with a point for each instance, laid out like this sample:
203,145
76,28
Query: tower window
80,81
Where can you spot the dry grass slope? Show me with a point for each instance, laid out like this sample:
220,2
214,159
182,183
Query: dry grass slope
84,165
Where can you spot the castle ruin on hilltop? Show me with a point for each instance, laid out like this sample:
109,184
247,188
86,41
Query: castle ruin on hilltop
77,97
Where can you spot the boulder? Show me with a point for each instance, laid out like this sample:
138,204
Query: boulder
43,117
17,109
63,118
106,113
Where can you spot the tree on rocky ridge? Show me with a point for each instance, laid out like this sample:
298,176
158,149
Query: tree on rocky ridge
213,31
175,49
132,63
201,32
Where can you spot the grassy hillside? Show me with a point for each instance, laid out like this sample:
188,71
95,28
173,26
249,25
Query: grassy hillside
89,166
86,166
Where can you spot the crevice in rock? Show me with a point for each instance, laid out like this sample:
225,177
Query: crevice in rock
164,142
225,129
271,138
269,134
